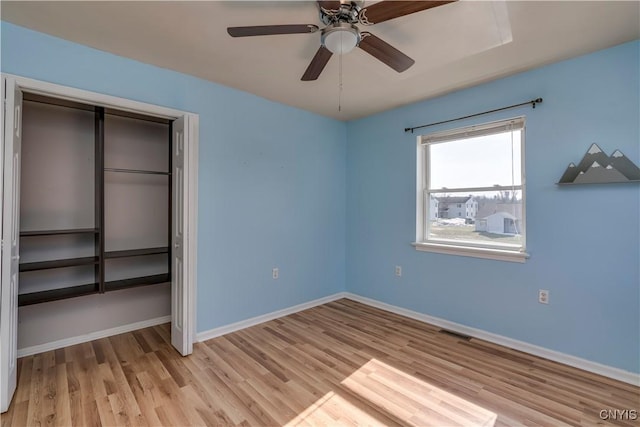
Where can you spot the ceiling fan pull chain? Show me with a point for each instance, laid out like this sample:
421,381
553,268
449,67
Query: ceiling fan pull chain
340,81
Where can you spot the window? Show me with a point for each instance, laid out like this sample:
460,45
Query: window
481,165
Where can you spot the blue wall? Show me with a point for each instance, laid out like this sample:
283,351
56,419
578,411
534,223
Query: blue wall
271,177
583,241
287,188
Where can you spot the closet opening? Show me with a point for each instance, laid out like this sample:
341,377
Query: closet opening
95,201
99,220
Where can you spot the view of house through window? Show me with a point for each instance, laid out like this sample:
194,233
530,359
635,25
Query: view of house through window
473,192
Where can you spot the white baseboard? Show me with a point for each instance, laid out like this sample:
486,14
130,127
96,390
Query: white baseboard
54,345
556,356
227,329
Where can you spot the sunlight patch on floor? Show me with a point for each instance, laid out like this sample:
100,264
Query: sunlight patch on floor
395,394
331,410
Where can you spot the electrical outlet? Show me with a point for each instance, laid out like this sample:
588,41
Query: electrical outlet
275,272
398,271
543,296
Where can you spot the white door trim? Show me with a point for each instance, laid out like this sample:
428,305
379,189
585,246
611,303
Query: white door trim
94,98
191,165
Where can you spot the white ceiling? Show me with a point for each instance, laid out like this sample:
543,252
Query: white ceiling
454,46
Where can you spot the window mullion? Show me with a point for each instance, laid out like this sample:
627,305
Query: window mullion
475,189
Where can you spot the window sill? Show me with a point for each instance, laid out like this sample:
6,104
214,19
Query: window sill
486,253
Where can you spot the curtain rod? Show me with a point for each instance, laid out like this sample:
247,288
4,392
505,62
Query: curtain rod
533,103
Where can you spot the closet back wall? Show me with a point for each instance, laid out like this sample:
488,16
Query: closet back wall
57,193
271,182
136,205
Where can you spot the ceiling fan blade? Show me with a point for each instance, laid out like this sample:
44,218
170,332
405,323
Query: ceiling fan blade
384,52
329,4
386,10
317,64
269,30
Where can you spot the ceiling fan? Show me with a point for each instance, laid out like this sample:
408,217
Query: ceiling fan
341,35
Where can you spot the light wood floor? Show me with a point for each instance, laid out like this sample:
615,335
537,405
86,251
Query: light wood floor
342,363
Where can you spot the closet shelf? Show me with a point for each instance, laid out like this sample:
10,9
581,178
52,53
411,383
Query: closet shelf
58,263
136,252
146,172
58,232
156,279
57,294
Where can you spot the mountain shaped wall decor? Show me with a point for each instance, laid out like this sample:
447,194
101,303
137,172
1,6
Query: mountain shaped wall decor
598,168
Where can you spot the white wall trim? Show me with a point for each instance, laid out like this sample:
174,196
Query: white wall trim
232,327
80,95
66,342
556,356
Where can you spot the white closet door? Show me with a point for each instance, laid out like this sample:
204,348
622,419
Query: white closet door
179,304
10,242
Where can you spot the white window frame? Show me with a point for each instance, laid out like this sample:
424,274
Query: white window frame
472,249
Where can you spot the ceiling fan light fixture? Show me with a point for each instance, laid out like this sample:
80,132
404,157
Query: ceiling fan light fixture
340,37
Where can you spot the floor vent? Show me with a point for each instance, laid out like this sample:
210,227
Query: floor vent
455,334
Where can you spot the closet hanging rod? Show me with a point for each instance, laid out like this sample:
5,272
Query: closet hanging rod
136,171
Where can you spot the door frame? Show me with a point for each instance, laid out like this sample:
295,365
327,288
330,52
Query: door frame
190,204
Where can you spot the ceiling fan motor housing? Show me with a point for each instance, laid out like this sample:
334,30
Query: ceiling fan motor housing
348,11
